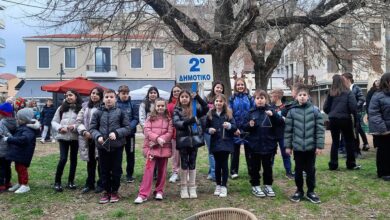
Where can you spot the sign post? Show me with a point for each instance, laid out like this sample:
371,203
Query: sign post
195,69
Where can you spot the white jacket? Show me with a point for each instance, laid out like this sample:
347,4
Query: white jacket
68,118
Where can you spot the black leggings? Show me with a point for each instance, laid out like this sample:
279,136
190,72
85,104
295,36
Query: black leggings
221,167
64,149
5,171
381,142
92,164
188,158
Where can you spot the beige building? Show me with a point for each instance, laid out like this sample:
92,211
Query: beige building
108,62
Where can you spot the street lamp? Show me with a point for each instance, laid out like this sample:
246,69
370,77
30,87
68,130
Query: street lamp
61,73
56,97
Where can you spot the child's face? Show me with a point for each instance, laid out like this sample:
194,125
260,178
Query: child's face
176,91
70,97
240,86
123,96
160,107
274,97
218,103
152,95
260,101
302,97
185,99
95,96
218,89
109,99
49,103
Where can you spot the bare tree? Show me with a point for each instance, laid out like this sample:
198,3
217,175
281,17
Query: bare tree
232,21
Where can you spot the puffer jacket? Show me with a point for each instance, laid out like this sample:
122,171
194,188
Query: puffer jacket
68,118
143,113
379,113
47,115
186,132
132,112
7,128
240,103
220,141
171,108
21,145
160,127
104,121
340,107
304,128
262,137
279,129
358,93
83,120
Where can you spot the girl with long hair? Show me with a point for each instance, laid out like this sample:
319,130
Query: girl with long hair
189,138
147,104
88,150
340,105
221,126
175,153
64,122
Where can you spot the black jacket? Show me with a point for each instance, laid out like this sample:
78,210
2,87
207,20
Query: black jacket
21,145
132,112
220,141
104,121
185,133
47,115
357,91
340,107
262,137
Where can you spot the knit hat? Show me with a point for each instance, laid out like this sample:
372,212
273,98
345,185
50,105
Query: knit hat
19,101
6,109
25,115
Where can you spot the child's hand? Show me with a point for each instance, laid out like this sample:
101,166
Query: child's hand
268,112
318,151
212,130
160,141
288,151
63,130
112,136
251,123
237,133
87,135
100,140
70,127
226,125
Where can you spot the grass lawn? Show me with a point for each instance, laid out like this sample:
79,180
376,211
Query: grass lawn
345,194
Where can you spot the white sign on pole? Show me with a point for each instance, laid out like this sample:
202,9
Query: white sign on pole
194,68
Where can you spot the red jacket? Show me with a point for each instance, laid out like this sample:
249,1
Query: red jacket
171,108
161,127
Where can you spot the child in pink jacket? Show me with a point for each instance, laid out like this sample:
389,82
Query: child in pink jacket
158,131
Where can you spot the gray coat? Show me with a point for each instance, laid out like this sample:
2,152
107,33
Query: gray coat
7,128
83,122
379,113
104,121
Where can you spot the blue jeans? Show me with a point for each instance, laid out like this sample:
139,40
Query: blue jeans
285,156
211,172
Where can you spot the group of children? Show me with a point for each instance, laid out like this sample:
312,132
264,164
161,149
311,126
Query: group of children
106,125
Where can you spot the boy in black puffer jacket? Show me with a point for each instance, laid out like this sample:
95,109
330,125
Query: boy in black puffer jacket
109,128
304,134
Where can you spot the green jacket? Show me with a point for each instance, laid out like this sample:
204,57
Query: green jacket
304,128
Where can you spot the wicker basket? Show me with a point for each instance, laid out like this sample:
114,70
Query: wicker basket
223,214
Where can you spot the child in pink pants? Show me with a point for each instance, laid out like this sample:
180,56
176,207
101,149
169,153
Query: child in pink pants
157,149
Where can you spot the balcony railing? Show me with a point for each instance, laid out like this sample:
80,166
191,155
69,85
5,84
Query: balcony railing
2,62
2,43
102,71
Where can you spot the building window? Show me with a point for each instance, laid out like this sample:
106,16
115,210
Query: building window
346,64
102,59
346,35
332,64
135,58
43,57
375,31
70,58
158,58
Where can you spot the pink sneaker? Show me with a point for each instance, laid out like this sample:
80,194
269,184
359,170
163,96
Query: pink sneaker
114,197
105,198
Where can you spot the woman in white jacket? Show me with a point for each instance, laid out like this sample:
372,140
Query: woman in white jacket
64,122
87,148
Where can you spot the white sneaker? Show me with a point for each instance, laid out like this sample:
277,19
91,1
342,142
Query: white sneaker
256,190
42,141
234,176
14,187
139,200
53,140
217,190
159,196
23,189
173,178
269,191
223,192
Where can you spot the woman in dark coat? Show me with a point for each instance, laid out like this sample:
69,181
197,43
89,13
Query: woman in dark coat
379,124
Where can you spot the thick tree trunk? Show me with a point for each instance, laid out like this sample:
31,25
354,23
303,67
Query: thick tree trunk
221,58
261,77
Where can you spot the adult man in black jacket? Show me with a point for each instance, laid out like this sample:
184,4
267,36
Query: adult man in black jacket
357,91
